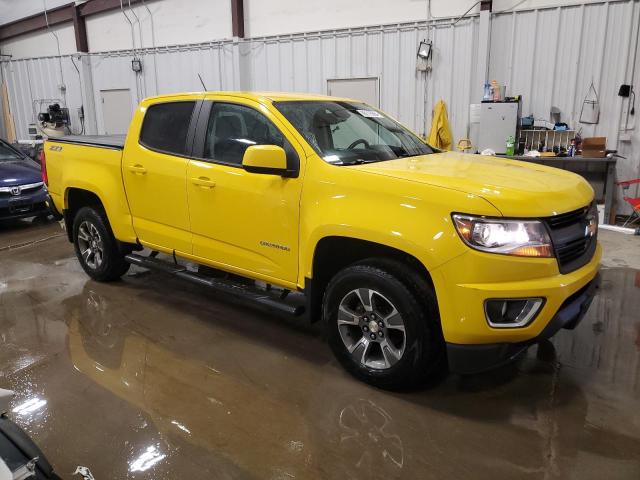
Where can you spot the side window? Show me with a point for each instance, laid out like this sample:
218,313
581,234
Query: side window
165,127
234,128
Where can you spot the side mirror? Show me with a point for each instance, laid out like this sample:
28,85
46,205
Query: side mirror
266,159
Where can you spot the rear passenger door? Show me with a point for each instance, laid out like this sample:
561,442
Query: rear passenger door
154,172
243,222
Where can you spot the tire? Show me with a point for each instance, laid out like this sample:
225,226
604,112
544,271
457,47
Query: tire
91,230
411,357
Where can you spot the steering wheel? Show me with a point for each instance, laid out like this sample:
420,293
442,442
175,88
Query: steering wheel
360,140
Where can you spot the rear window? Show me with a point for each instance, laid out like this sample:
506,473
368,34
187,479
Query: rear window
165,127
8,154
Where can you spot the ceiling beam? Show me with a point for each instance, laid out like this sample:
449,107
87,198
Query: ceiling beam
486,5
56,16
66,13
80,30
237,18
98,6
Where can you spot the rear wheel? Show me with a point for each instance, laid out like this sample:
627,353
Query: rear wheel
96,247
383,325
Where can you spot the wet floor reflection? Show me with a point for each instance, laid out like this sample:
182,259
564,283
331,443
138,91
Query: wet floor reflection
152,378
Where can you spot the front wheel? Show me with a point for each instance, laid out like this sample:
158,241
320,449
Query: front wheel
96,247
384,330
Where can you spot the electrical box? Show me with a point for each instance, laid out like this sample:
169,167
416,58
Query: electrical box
498,122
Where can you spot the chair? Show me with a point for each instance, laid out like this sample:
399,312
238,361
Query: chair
634,202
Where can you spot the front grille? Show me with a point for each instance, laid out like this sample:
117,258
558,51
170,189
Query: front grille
568,218
572,250
573,244
24,190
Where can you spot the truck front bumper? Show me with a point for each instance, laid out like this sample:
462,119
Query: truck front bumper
469,359
464,284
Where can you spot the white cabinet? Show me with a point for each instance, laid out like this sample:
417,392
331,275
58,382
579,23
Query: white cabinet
498,121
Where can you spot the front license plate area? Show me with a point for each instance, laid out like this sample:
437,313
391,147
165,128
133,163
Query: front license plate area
19,206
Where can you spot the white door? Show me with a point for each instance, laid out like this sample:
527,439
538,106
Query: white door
363,89
117,110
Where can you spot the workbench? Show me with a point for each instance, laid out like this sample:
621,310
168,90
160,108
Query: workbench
599,172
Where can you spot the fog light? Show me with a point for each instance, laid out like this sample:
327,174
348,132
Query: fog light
511,312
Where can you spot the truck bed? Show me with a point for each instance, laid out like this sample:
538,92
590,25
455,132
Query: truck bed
92,164
104,141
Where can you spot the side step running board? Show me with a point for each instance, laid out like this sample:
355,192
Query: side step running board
221,285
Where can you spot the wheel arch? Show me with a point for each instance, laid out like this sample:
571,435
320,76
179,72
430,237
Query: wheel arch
76,198
333,253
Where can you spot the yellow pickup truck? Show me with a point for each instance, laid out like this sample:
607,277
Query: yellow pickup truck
415,259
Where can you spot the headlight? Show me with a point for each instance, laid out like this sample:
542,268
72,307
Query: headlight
524,238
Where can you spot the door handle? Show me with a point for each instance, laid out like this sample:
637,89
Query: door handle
203,182
137,168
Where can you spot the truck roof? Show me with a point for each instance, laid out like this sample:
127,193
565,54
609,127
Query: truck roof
258,96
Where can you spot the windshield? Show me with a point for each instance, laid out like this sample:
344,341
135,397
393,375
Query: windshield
348,133
8,154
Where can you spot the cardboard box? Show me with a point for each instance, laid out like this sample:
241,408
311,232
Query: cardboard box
594,147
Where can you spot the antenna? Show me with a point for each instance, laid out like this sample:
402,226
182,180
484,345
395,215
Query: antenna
202,82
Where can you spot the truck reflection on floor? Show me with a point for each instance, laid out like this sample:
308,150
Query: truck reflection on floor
258,431
554,414
185,397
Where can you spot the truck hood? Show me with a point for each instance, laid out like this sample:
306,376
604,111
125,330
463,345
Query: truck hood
20,172
515,188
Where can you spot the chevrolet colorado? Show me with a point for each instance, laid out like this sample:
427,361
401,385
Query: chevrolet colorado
416,259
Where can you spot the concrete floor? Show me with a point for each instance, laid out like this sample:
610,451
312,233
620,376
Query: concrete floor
154,378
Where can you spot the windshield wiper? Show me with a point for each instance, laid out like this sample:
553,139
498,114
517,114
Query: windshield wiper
407,154
357,161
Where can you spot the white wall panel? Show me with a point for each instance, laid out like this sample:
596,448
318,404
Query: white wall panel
305,62
43,42
12,10
277,17
551,56
630,167
172,22
112,73
165,70
32,80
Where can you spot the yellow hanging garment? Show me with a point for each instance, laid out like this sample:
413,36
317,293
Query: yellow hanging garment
440,136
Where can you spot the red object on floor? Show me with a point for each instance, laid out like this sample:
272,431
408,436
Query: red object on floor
634,202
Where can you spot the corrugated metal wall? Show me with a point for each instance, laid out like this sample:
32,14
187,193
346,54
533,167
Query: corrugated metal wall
292,63
30,81
549,55
305,62
33,80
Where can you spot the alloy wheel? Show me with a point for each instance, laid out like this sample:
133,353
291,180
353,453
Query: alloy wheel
371,328
90,245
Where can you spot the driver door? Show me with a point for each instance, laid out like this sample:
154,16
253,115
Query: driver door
241,221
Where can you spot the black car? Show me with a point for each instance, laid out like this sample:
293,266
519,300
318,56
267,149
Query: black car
22,191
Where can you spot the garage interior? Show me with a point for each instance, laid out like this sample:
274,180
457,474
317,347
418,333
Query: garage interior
152,377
